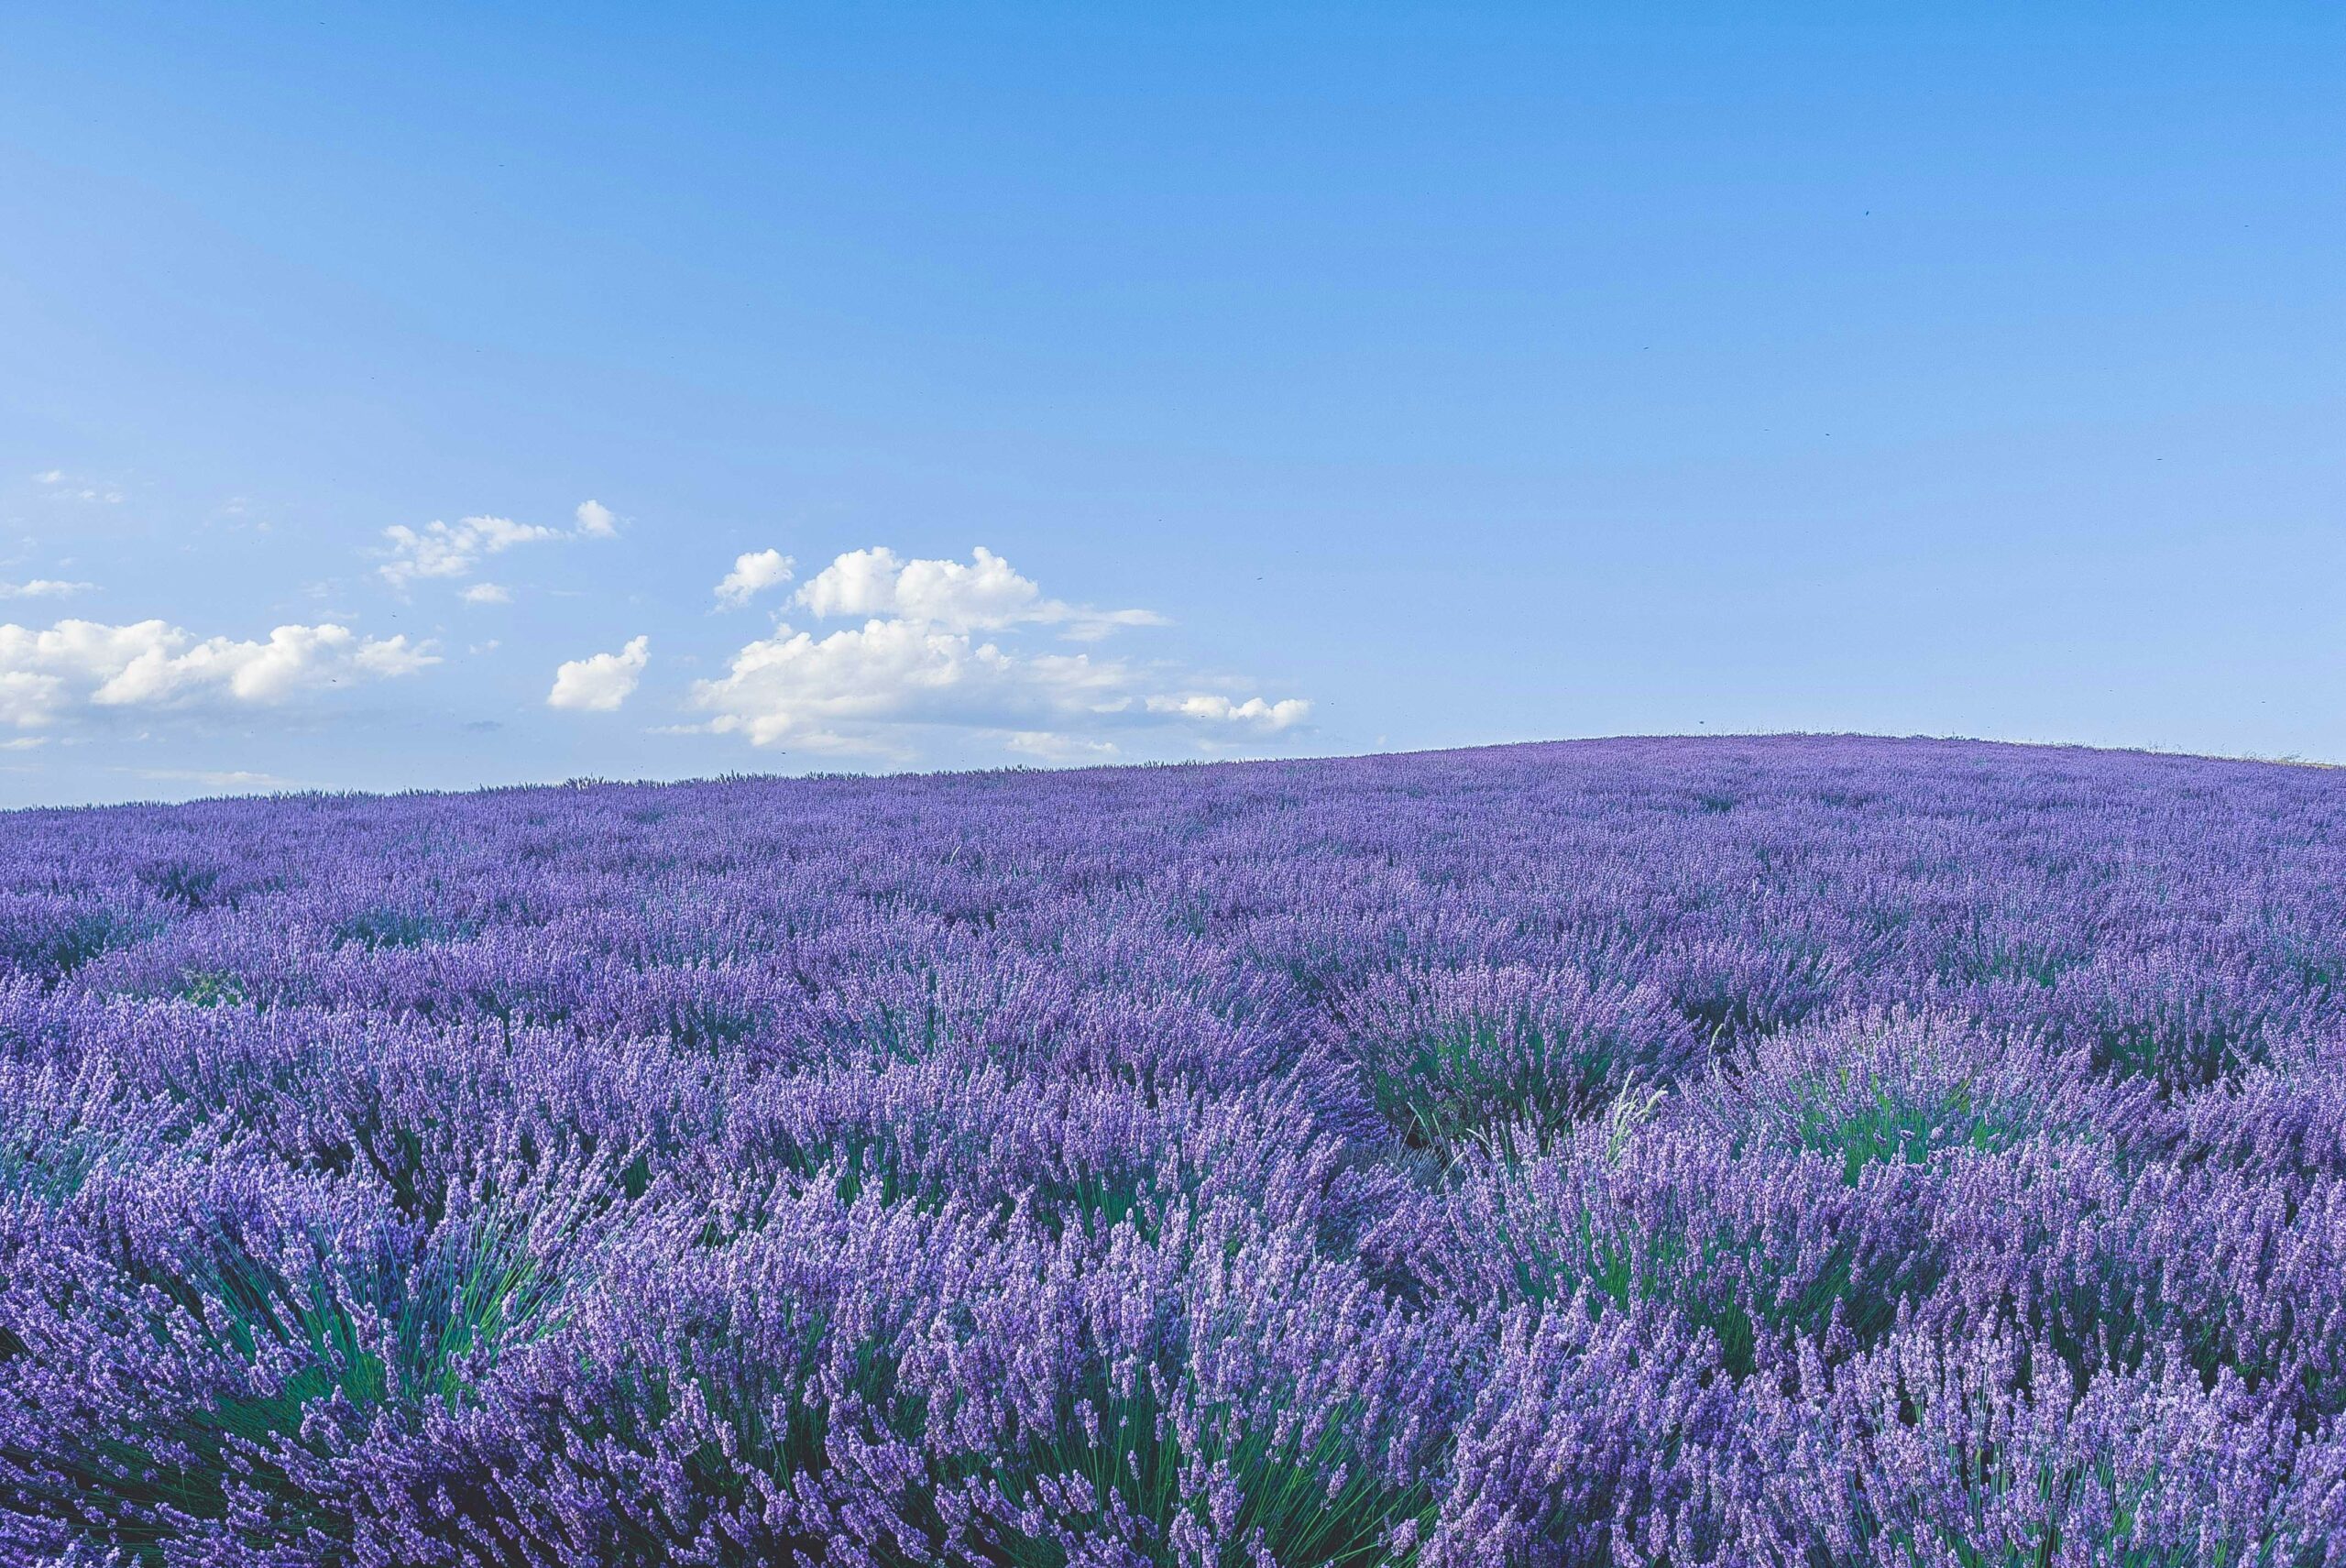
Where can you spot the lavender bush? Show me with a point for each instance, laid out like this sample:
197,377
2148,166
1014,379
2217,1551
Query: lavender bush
1793,1152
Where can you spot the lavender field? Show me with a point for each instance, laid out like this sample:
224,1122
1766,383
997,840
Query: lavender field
1783,1151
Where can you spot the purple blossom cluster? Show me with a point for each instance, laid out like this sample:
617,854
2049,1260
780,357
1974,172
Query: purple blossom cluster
1800,1152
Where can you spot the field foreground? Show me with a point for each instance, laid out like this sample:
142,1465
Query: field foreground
1790,1151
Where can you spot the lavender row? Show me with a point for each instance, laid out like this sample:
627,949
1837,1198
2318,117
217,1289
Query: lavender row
1790,1152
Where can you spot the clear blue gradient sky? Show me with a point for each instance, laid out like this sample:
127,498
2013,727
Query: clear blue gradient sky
1432,376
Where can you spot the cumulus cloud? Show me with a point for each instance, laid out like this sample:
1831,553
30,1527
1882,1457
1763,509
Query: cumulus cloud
75,666
43,588
1267,716
600,683
446,551
985,594
754,571
940,648
487,593
840,692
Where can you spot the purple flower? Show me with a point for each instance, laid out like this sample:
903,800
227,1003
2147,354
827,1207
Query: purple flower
1798,1152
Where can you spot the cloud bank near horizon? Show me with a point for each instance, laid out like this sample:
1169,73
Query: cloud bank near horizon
874,656
951,645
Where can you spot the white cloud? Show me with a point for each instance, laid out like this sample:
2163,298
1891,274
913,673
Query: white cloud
487,593
43,588
1050,748
1254,713
64,486
80,664
440,550
841,692
240,780
918,661
984,595
754,572
600,683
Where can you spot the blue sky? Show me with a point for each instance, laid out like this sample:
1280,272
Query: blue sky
1315,379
